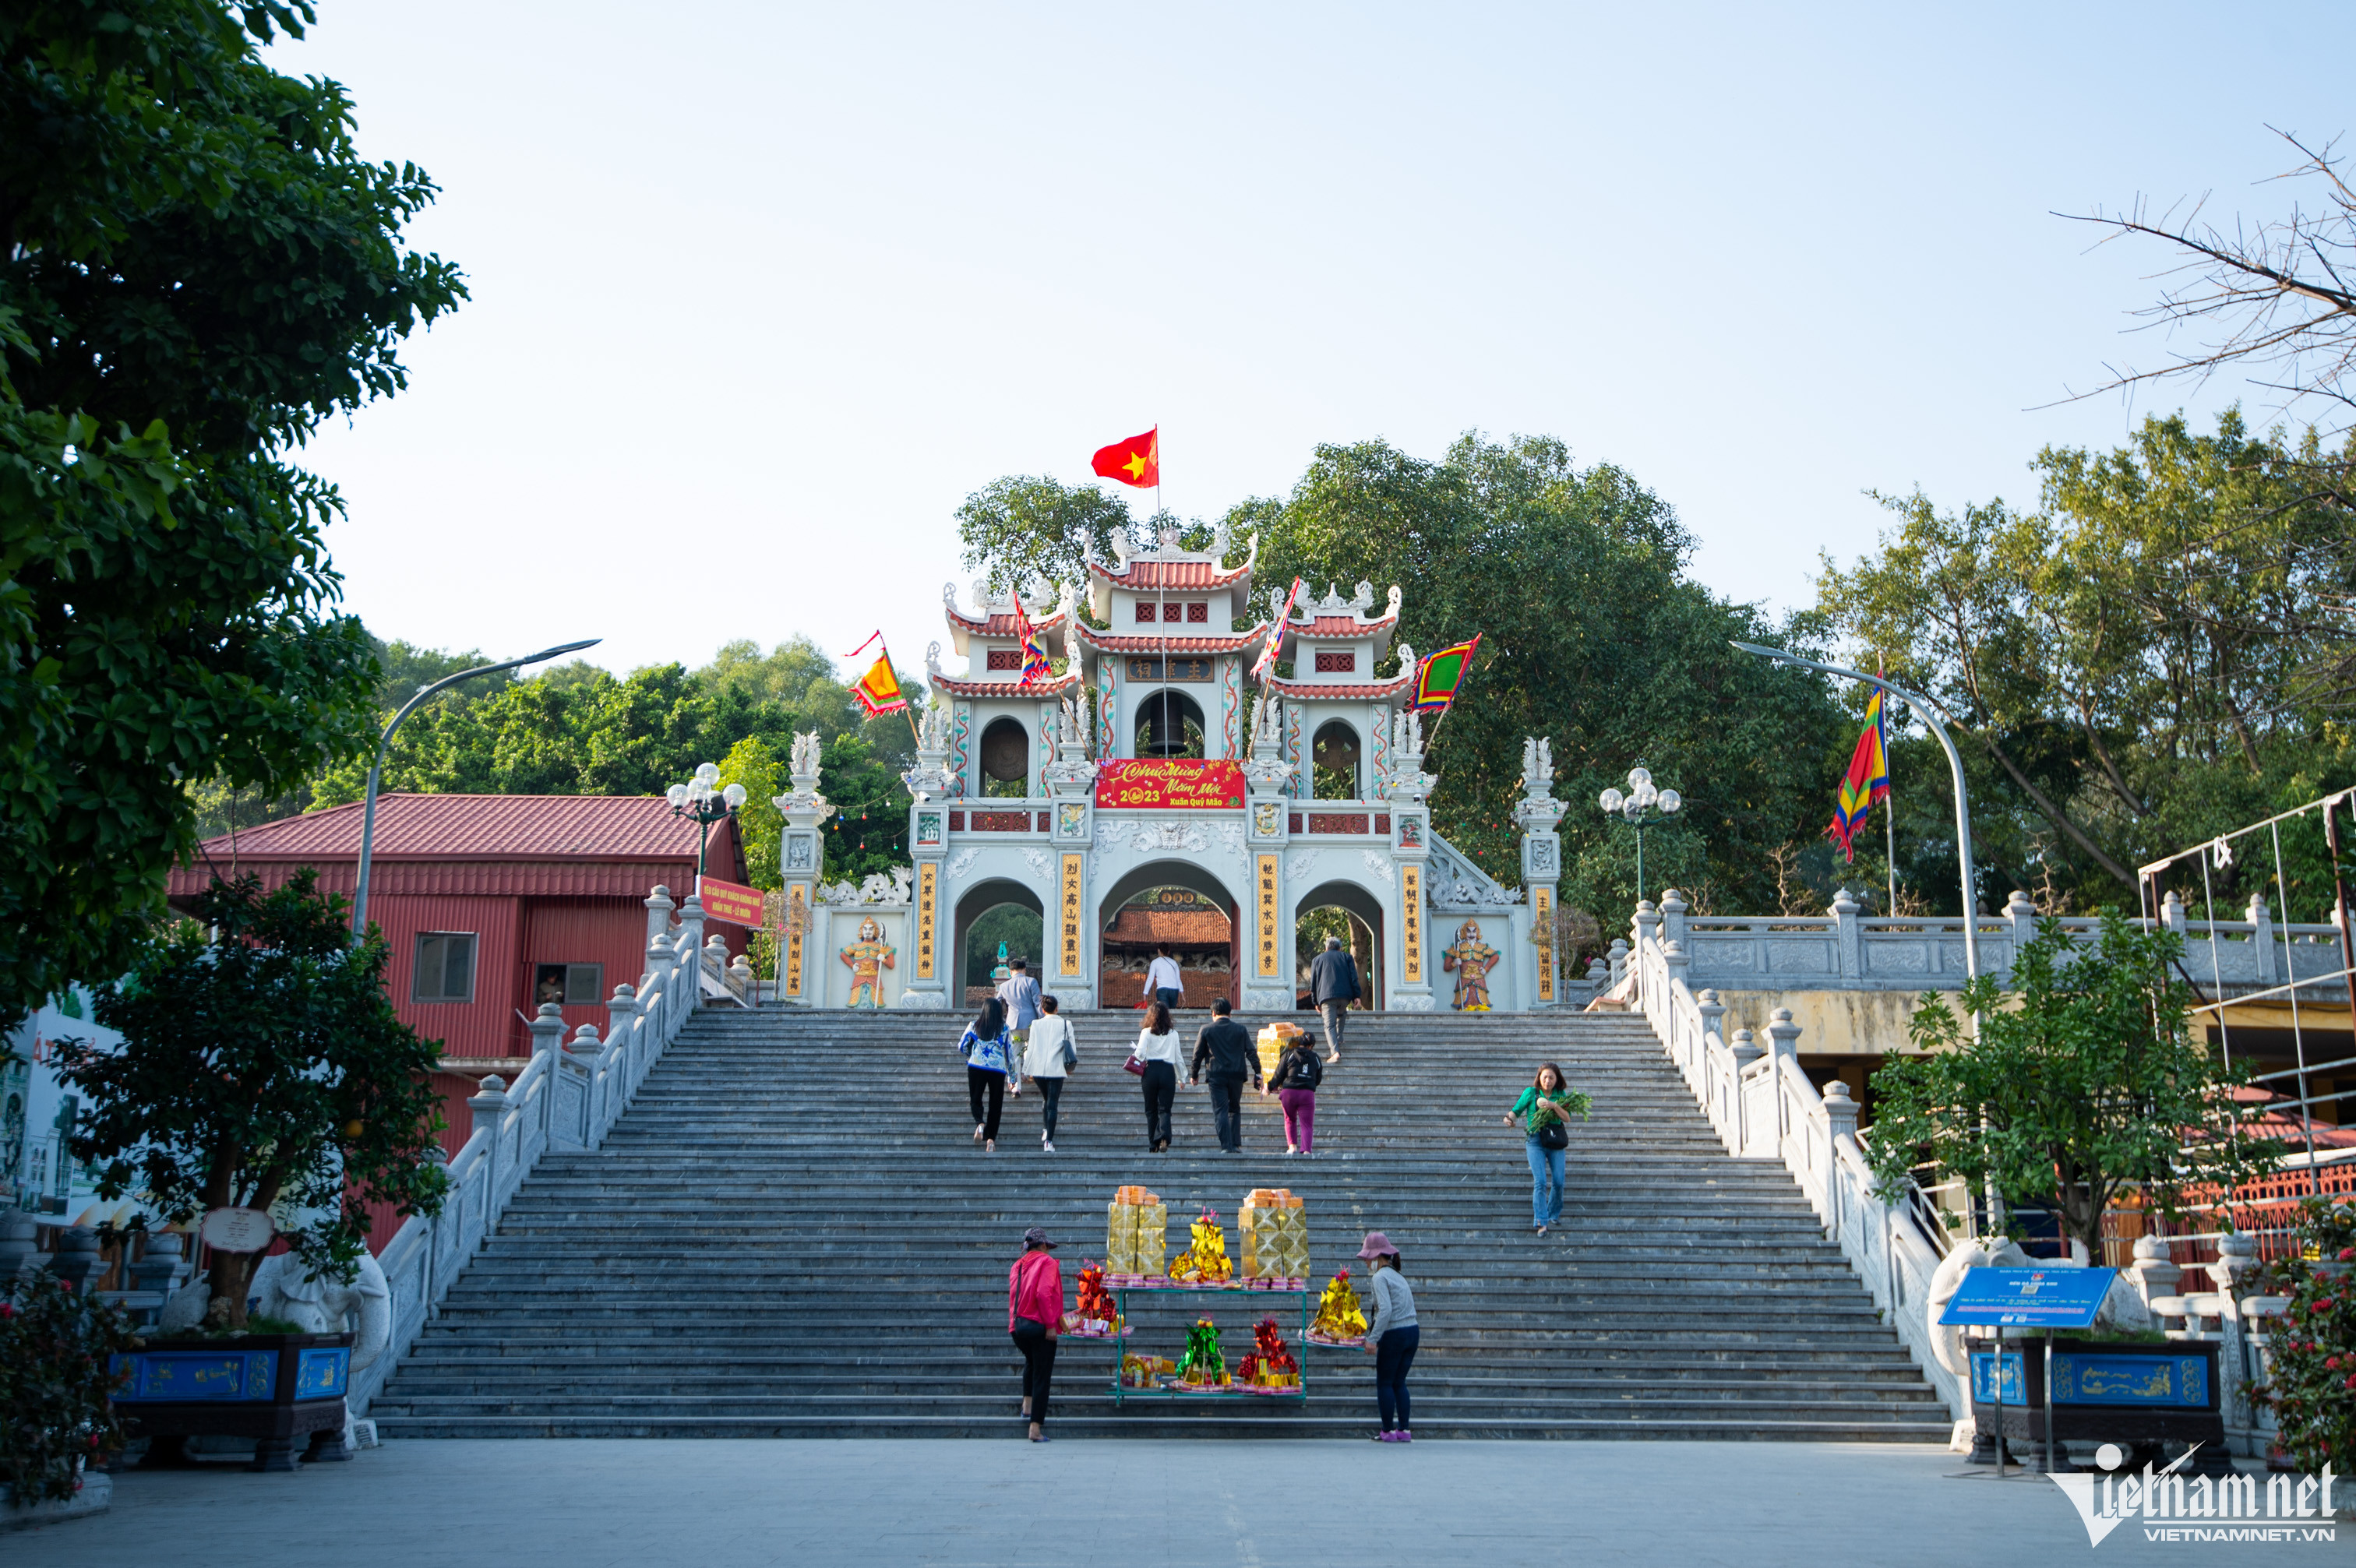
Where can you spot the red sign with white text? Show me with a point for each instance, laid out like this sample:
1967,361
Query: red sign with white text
729,902
1170,783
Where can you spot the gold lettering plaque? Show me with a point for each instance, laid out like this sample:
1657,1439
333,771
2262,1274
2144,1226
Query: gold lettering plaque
928,884
1542,913
1411,926
1266,904
797,917
1068,964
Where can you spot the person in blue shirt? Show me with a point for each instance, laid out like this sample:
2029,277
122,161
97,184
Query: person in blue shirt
989,1064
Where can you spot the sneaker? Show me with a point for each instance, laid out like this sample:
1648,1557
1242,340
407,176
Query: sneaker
1046,1148
1405,1436
977,1132
1384,1437
1541,1229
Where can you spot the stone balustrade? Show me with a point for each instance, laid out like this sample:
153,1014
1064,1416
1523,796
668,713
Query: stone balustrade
568,1097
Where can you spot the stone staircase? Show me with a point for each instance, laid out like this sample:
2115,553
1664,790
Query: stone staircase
792,1234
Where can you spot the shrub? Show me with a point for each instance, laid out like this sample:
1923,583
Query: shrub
56,1352
2311,1383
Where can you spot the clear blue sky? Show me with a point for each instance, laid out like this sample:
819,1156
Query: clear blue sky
762,292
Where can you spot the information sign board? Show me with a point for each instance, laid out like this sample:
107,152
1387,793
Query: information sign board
2029,1297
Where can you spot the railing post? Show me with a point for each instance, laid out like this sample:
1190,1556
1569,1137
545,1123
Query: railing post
1782,1040
2156,1274
489,1103
2171,912
659,987
548,1041
1840,1112
585,1047
2021,913
1673,915
658,908
1847,935
2261,942
622,1026
690,926
1616,968
1712,1010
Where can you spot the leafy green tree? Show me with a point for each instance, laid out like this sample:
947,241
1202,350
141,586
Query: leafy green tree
1591,634
261,1066
57,1371
1029,530
869,830
2145,660
2083,1082
2311,1368
196,268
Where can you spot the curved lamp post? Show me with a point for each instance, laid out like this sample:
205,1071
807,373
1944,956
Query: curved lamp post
1932,714
698,798
368,816
1637,807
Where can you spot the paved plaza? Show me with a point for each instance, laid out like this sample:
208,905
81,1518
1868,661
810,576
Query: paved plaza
1141,1504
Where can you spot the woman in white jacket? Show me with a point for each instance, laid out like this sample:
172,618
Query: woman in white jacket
1047,1056
1158,1053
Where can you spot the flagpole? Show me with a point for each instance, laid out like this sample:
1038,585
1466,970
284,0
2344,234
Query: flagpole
904,710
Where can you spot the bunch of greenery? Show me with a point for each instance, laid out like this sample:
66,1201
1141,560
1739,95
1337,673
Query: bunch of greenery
261,1065
196,268
57,1352
2079,1082
2311,1374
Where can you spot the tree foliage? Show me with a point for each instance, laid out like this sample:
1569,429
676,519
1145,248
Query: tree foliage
261,1065
57,1371
2144,660
2311,1370
1028,531
1591,634
2083,1082
196,268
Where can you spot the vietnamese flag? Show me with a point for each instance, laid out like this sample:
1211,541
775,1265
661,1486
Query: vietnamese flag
1137,461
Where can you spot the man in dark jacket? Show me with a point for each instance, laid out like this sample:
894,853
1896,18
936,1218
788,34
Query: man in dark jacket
1333,985
1226,1045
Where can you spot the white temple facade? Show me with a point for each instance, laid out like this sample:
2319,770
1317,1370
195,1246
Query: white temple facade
1155,761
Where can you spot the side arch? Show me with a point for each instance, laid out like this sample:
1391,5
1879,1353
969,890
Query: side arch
993,893
1366,909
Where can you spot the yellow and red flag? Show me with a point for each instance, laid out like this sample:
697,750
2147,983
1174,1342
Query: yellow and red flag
1137,461
878,691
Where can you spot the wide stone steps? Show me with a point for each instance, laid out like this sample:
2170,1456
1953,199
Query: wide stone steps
791,1234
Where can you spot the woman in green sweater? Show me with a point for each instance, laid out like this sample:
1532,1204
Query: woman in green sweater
1544,1110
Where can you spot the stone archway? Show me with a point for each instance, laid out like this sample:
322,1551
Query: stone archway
1124,991
1365,924
985,899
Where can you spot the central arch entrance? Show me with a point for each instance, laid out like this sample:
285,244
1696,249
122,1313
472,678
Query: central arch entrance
1178,902
1350,912
991,913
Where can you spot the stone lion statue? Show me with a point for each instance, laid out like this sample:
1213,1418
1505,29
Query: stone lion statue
286,1290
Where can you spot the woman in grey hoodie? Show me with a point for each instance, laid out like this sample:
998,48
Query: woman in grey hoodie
1391,1336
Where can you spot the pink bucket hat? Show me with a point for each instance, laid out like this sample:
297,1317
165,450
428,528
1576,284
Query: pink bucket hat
1378,1246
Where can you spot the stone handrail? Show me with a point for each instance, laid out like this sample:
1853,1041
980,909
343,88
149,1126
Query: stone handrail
1762,1106
568,1097
1844,950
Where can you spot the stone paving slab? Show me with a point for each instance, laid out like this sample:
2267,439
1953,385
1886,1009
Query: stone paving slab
1139,1504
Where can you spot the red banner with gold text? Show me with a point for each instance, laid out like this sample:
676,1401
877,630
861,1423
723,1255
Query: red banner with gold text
1170,783
731,902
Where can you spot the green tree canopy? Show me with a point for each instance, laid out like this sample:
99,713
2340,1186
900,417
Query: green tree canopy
259,1065
196,268
1029,530
1591,634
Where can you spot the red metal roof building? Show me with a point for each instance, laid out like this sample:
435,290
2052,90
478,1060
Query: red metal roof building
491,904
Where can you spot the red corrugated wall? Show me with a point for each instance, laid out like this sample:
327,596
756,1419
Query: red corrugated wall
608,931
477,1029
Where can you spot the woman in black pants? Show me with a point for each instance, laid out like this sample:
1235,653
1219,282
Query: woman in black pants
1158,1049
988,1064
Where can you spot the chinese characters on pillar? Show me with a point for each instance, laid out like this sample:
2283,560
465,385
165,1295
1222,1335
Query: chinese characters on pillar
1542,916
1069,964
1411,923
927,896
796,920
1267,923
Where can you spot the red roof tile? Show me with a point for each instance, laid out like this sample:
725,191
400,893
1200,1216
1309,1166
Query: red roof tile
476,827
1339,627
1144,573
1191,928
1048,687
1001,625
1153,642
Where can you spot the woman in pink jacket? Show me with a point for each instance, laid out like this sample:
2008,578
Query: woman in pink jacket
1034,1316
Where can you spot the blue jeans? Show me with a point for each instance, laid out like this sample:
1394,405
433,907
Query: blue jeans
1546,1182
1393,1354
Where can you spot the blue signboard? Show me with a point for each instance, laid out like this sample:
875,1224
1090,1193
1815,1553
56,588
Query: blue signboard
2029,1297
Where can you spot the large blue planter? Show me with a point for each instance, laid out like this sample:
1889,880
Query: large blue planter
2105,1393
273,1388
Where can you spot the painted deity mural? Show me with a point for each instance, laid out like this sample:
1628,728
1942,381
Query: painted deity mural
869,957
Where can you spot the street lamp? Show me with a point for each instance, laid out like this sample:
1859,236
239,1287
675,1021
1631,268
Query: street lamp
1932,714
1637,809
367,814
699,799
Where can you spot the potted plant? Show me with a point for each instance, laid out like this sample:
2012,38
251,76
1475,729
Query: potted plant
2082,1081
261,1068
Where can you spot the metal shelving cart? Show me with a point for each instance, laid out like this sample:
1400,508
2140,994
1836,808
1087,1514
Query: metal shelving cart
1121,1292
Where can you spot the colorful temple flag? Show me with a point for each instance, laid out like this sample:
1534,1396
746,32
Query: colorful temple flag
1442,676
1137,461
878,691
1275,644
1035,668
1866,782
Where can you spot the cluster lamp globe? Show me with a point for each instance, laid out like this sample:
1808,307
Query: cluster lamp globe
1640,806
703,799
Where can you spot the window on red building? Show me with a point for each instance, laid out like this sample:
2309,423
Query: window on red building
445,968
569,985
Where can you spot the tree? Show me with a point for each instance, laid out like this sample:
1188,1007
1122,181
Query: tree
260,1067
2145,658
196,268
869,830
2084,1081
1030,531
2274,297
1591,634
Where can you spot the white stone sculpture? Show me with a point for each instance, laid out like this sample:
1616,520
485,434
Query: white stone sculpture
286,1288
